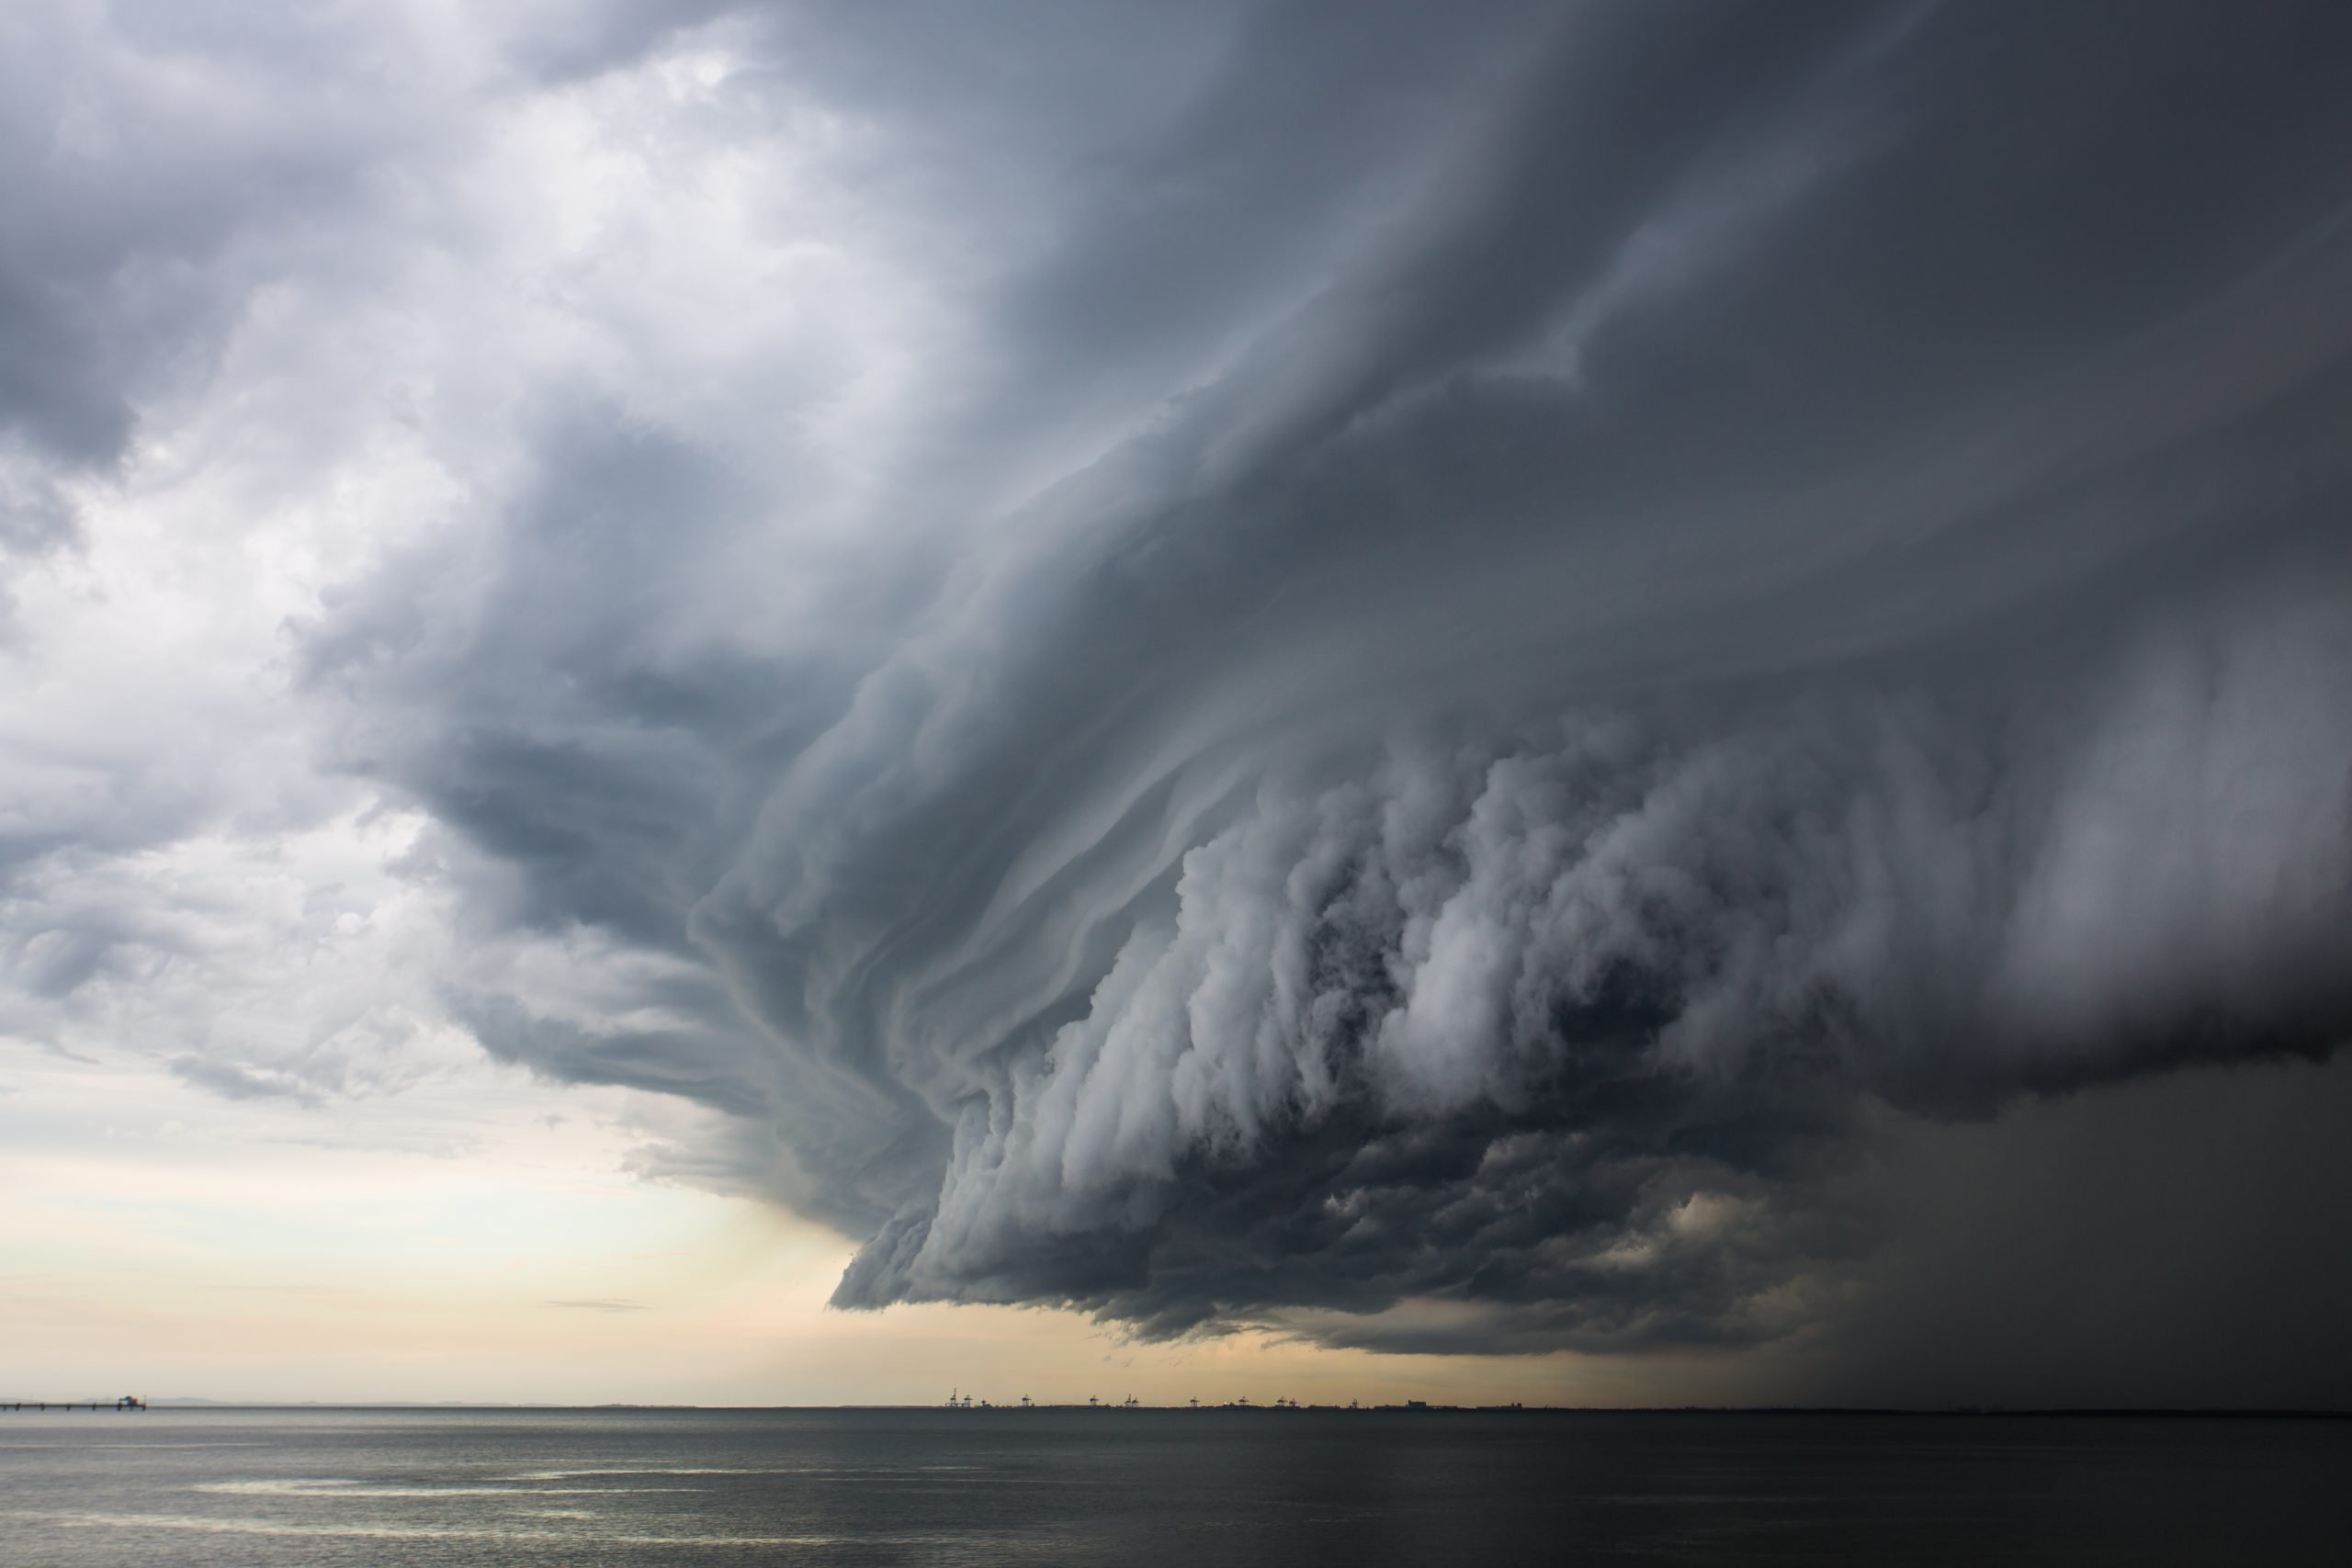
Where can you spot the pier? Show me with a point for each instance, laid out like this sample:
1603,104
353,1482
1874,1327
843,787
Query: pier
127,1402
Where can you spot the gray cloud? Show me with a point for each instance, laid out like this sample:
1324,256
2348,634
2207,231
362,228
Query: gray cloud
235,1082
1789,570
1477,658
156,209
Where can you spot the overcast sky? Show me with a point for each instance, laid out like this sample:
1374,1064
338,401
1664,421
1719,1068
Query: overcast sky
1644,701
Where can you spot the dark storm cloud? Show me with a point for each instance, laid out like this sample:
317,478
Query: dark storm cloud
1534,619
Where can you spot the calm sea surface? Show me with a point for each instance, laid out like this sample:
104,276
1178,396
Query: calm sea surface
594,1488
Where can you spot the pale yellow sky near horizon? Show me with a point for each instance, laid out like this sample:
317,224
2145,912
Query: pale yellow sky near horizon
484,1238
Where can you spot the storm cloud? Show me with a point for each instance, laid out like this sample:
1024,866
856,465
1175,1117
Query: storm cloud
1419,672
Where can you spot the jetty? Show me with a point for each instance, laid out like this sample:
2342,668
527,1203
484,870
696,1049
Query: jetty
127,1402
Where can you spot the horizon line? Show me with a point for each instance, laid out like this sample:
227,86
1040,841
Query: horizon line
1414,1408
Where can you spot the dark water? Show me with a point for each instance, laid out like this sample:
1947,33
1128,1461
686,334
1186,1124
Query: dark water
590,1489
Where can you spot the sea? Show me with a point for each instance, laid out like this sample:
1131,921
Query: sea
617,1488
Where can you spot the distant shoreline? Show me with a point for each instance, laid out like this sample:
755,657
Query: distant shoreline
2059,1413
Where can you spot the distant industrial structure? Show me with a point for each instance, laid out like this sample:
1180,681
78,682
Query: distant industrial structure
127,1402
958,1400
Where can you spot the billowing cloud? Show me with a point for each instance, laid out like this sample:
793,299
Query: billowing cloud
1416,673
